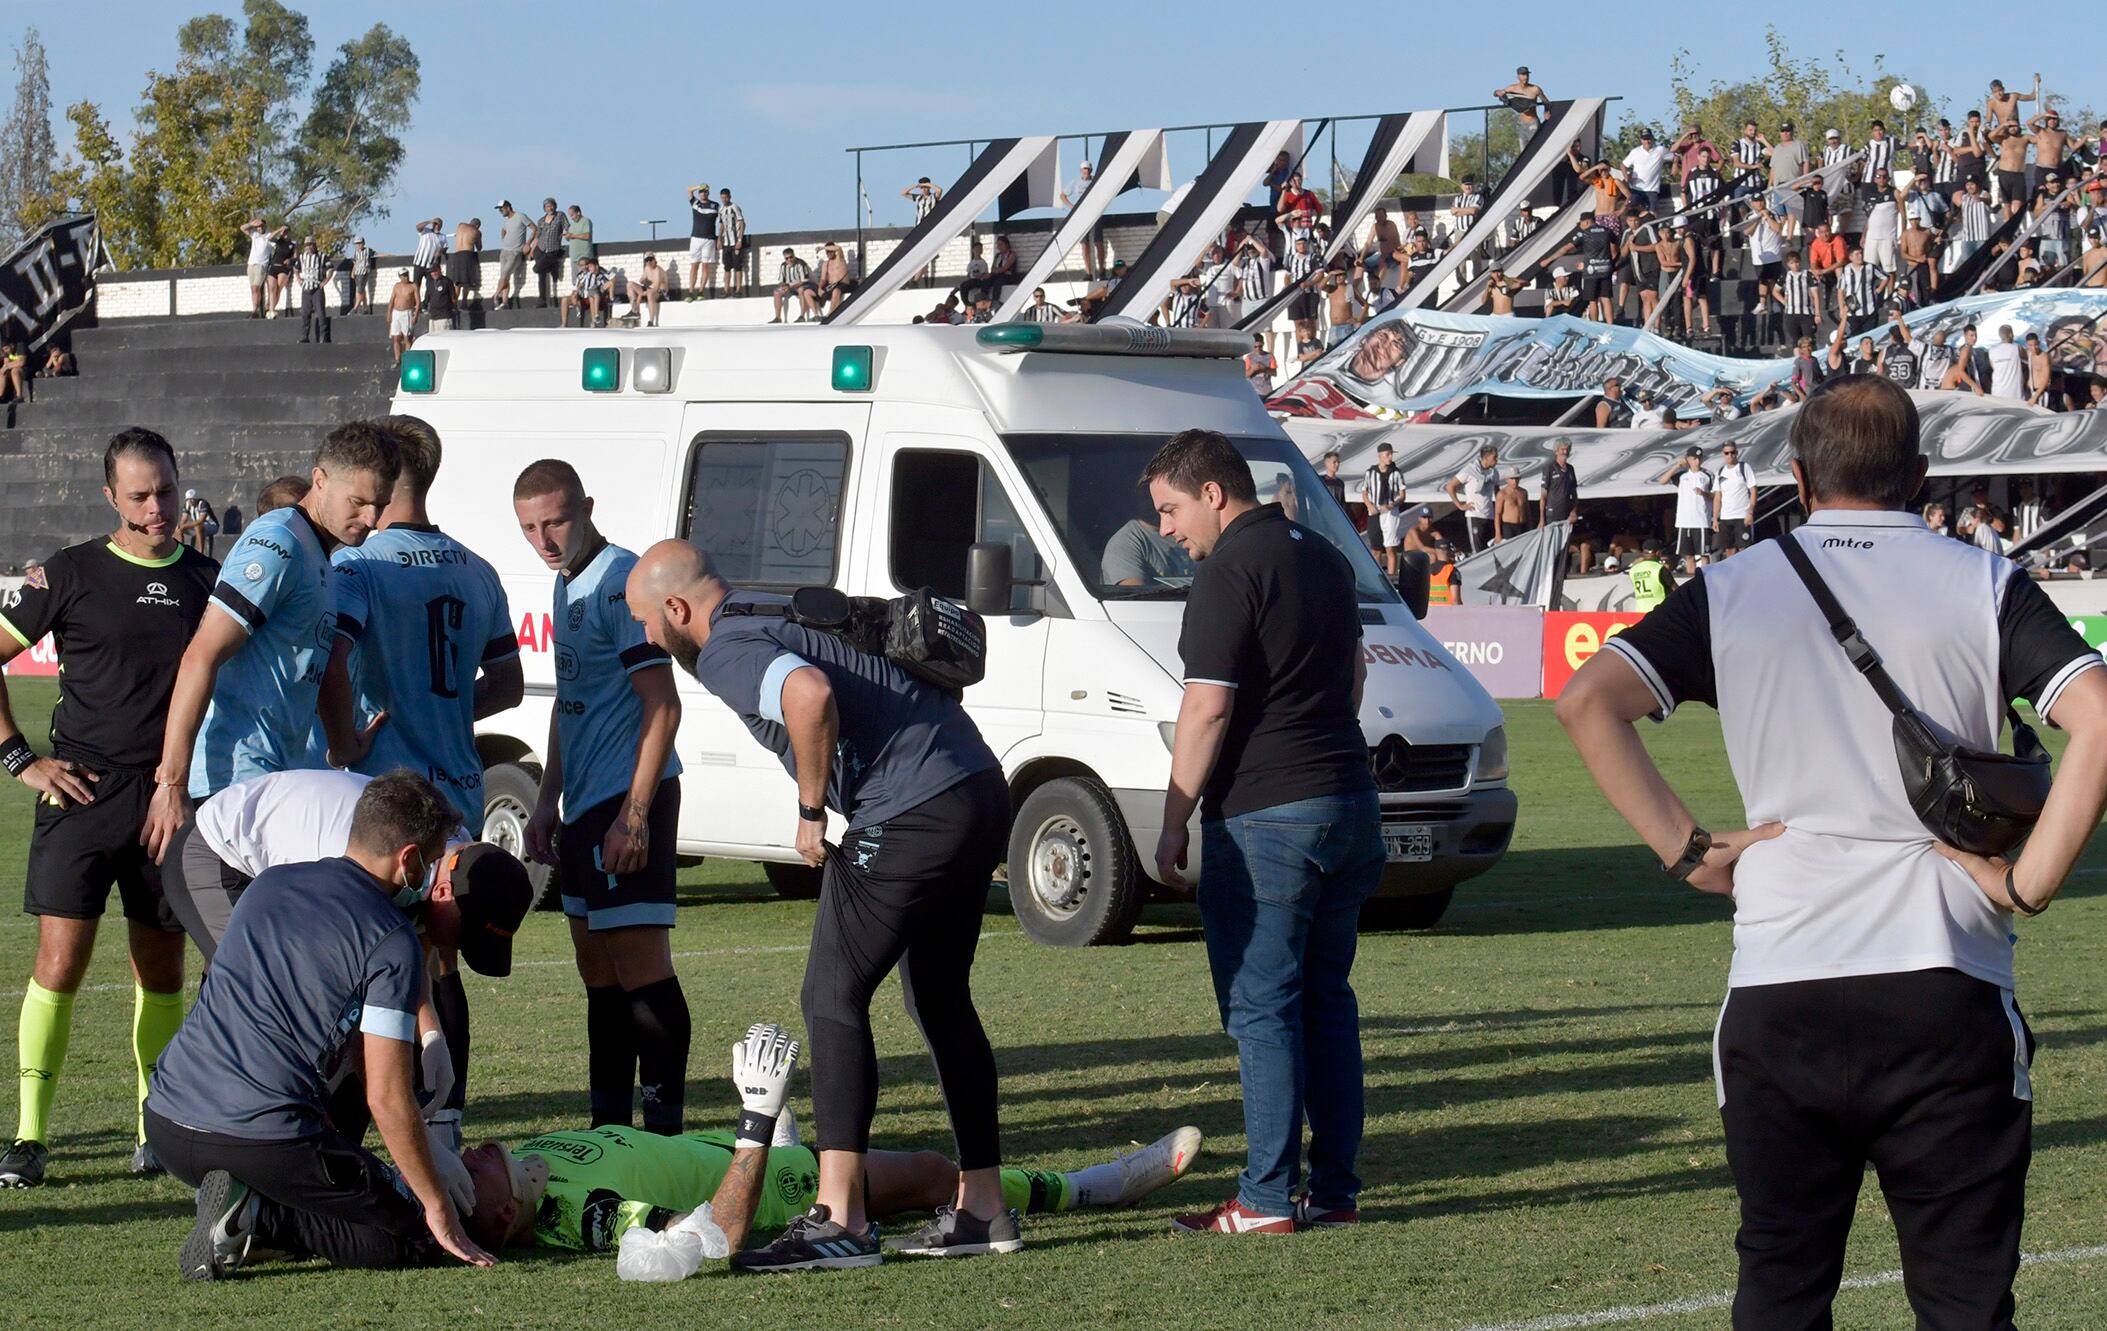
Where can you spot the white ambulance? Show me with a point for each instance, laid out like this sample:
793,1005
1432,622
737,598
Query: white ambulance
996,465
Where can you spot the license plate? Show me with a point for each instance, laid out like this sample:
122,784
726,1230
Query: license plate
1408,845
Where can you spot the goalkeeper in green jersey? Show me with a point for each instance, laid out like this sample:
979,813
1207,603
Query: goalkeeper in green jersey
584,1189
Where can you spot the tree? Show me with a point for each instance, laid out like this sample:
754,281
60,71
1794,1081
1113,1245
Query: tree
26,150
235,131
1816,96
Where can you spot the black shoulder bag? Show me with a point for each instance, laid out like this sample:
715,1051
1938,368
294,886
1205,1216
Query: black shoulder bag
1985,803
935,640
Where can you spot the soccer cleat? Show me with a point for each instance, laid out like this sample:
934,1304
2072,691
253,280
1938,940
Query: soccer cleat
144,1161
219,1241
1233,1217
812,1243
1153,1167
1309,1215
956,1233
23,1165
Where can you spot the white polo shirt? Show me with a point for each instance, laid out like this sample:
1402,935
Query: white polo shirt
1853,886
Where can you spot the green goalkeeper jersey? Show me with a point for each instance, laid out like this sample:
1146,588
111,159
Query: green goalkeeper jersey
602,1181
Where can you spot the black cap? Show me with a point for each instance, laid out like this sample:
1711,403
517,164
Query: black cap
494,894
1787,128
1693,452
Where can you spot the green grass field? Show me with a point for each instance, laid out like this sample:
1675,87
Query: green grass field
1542,1142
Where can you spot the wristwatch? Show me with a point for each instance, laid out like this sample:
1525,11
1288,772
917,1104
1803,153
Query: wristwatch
812,813
1693,855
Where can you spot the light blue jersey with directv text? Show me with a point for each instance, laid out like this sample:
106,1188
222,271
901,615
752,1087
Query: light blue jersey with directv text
277,584
598,715
424,613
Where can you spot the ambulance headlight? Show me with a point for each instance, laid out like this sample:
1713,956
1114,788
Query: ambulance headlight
1492,755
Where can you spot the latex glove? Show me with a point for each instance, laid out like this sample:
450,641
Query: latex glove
437,1063
761,1068
453,1175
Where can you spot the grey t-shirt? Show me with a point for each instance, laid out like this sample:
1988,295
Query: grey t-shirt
315,956
1137,552
1788,160
513,234
902,743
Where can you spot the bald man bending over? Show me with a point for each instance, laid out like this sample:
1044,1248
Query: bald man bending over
928,820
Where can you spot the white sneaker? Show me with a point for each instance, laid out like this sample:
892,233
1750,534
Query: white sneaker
1147,1170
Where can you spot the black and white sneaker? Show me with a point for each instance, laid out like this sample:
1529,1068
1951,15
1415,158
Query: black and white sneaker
23,1165
226,1220
956,1233
144,1161
812,1243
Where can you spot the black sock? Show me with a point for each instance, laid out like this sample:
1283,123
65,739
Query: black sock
450,1004
610,1038
659,1012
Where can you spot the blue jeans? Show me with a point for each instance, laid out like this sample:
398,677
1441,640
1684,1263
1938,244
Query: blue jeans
1280,900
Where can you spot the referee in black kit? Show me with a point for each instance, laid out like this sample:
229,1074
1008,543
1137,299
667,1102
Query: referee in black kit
1870,1015
122,609
928,820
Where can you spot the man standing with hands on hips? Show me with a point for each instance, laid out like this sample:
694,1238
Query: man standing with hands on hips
610,807
1870,1015
928,819
1269,749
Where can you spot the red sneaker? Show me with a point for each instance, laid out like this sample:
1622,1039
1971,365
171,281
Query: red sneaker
1309,1215
1234,1217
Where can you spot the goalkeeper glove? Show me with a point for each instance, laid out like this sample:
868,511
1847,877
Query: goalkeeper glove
761,1068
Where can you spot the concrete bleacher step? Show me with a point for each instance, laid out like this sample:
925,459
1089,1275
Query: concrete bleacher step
141,387
309,402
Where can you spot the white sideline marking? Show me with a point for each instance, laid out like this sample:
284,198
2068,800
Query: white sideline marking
1699,1303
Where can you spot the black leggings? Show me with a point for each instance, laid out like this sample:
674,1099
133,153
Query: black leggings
323,1196
908,892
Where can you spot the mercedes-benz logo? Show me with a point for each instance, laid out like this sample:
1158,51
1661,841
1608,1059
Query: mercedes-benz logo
1392,763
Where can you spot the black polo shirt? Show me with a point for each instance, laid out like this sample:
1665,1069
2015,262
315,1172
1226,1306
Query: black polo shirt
1272,614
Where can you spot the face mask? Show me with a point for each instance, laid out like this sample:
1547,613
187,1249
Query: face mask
407,896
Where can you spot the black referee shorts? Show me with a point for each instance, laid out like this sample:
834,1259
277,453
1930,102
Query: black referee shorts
76,854
1923,1075
603,901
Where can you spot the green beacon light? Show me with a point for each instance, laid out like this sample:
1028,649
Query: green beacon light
601,370
419,372
852,369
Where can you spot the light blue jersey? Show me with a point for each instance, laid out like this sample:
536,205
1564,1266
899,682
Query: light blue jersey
425,613
598,716
277,585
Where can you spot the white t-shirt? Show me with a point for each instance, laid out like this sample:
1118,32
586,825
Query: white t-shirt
294,817
1645,167
259,248
283,818
2007,375
1737,491
1649,418
1693,498
1478,483
1766,243
1882,222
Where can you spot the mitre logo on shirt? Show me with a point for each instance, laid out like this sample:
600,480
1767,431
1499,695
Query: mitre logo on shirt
1845,543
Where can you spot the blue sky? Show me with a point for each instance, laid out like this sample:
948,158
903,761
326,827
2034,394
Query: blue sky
724,96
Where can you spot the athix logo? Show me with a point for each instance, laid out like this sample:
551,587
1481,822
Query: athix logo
157,594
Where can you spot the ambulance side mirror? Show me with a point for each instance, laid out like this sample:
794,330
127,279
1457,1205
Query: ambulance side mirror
990,574
1414,580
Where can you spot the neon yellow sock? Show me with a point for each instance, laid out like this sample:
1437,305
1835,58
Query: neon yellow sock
47,1023
1035,1191
154,1021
